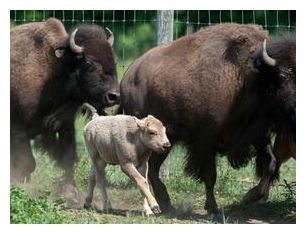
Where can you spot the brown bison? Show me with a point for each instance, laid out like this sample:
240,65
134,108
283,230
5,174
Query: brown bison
52,74
219,90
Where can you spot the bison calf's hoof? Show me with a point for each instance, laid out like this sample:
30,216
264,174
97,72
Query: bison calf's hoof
156,210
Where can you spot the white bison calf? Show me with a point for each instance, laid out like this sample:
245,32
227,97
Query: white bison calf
124,140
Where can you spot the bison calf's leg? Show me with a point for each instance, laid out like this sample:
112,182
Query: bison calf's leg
159,189
90,188
142,184
99,167
22,160
143,170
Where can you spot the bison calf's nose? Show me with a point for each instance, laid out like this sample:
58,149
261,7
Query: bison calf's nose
113,98
166,146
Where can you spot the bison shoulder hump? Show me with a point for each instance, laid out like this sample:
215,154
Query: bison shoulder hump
55,32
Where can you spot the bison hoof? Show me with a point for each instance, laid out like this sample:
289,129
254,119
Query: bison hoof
107,207
87,206
70,193
156,210
254,195
212,209
167,209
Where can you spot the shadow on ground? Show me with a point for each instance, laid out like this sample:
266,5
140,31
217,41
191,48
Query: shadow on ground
271,212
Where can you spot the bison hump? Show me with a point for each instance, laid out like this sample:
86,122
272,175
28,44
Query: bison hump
54,32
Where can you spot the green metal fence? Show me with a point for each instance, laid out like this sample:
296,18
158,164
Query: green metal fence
135,30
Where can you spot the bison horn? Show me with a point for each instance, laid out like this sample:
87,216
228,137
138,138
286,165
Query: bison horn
266,58
74,47
111,37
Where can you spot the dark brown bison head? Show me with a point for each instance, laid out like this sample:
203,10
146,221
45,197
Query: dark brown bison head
276,62
94,71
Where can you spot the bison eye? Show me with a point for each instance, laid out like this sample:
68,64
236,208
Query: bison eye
152,133
90,66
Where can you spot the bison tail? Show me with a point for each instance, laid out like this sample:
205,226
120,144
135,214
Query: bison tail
89,108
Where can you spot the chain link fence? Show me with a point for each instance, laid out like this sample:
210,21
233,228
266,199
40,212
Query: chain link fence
136,30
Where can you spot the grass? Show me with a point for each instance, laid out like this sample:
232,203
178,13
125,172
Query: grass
25,209
38,201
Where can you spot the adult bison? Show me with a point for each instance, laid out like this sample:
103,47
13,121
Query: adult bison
217,90
52,74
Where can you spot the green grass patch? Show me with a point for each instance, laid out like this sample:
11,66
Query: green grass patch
25,209
37,202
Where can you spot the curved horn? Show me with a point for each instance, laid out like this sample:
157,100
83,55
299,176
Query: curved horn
266,58
111,37
74,47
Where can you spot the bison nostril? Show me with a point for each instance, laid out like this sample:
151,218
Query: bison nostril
113,97
166,146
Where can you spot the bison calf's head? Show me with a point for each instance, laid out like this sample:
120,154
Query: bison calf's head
153,134
94,70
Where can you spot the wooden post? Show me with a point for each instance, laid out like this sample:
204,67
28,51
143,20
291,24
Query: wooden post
164,26
164,35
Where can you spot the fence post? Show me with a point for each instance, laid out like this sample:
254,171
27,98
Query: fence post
164,35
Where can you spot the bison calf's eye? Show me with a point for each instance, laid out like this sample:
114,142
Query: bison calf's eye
152,133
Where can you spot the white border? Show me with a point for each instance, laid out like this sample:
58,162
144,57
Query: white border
149,5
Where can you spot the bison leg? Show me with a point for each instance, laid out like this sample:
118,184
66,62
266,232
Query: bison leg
267,169
284,148
260,192
201,164
159,189
209,177
22,160
67,157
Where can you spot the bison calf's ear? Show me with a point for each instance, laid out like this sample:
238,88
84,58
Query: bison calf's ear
140,123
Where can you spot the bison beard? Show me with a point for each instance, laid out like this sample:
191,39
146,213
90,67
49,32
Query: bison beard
216,93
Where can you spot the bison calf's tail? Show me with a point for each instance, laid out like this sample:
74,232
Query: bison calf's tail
89,108
120,110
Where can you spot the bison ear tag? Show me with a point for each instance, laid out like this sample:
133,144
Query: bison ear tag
59,53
